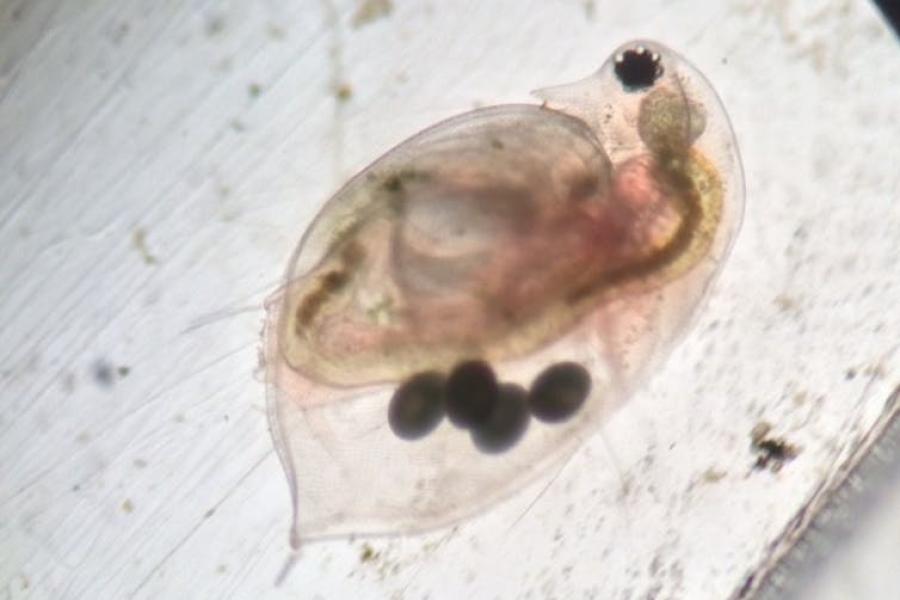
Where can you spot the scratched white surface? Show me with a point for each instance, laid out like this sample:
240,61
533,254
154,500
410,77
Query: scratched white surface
159,162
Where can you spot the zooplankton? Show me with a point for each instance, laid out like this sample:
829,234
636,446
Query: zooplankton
518,269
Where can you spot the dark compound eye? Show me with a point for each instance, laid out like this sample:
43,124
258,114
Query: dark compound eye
559,391
638,69
417,406
506,424
471,393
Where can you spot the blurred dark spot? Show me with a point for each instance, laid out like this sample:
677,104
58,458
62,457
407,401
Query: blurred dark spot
215,24
102,372
118,33
393,183
585,186
276,32
106,375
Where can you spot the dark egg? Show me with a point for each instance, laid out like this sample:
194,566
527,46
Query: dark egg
417,406
559,391
471,394
506,424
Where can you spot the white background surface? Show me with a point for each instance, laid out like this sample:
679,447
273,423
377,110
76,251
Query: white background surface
159,163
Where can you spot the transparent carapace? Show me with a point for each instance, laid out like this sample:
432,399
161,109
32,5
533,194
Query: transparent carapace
470,307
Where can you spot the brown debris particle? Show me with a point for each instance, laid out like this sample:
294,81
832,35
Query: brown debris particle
786,303
772,452
276,32
343,92
371,10
713,475
368,554
139,241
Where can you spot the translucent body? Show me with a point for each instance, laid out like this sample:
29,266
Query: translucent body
587,230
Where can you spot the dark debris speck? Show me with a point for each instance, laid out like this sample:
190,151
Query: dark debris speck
343,92
368,554
771,452
106,375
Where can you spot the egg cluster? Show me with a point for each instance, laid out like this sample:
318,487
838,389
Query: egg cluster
496,413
